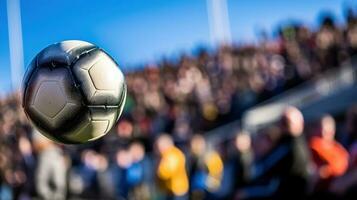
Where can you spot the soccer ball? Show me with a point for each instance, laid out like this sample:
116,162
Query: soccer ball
73,92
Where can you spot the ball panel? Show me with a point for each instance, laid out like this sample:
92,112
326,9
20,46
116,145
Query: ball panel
50,102
100,78
105,75
100,128
63,53
100,122
92,130
104,114
49,98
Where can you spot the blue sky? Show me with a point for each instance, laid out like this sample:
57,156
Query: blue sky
141,31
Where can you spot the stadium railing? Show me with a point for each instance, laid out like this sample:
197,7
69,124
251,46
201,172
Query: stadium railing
331,92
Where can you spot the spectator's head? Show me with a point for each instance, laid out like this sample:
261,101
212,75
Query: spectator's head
327,127
137,151
25,146
89,158
292,121
123,158
327,19
125,129
243,141
163,143
198,145
102,162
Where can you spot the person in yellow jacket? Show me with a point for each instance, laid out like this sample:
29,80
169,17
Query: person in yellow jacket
206,168
171,170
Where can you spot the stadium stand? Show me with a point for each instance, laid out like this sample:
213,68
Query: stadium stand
208,94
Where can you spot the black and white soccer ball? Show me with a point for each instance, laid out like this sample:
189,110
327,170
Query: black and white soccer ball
73,92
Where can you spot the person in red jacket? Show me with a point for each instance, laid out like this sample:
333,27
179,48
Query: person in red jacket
329,156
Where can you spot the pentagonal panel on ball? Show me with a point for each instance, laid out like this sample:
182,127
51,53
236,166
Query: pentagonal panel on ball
49,99
100,78
52,100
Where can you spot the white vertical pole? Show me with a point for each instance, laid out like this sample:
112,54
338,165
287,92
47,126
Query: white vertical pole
226,22
15,42
218,19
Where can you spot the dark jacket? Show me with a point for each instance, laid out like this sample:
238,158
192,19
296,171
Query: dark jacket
284,171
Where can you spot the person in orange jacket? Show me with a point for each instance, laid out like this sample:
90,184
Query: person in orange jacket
171,171
329,156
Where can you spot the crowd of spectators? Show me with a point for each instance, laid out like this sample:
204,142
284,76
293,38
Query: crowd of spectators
158,148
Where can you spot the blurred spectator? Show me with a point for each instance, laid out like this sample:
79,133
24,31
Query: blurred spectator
123,162
87,171
330,158
243,159
171,170
346,185
51,169
328,41
139,173
206,169
282,173
5,169
295,163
